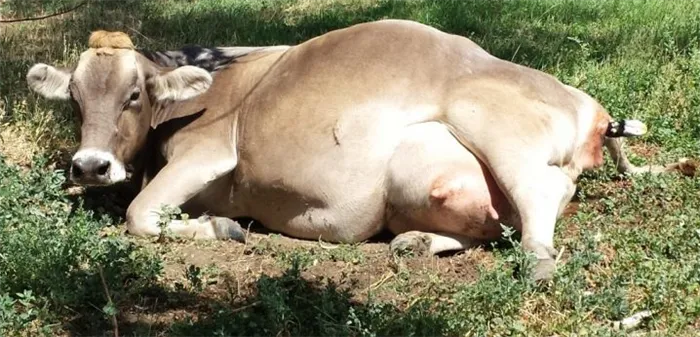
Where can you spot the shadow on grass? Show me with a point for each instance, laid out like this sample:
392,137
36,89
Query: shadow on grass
533,33
284,305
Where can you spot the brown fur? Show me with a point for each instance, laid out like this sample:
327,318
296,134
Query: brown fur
593,147
104,39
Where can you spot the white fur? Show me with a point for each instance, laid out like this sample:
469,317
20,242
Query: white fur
49,81
82,67
129,62
634,128
181,83
117,172
542,195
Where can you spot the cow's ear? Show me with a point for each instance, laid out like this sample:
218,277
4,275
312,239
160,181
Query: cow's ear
180,83
176,85
49,82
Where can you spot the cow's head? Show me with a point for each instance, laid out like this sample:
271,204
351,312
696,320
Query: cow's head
114,89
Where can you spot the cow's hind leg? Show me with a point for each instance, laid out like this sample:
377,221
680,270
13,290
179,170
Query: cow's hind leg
434,243
539,195
537,191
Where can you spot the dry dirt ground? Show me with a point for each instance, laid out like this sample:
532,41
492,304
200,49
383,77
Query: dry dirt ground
228,271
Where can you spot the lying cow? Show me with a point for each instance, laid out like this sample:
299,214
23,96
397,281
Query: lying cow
383,124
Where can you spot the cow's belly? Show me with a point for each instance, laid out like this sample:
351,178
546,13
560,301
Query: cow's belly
437,185
340,214
327,183
427,181
351,219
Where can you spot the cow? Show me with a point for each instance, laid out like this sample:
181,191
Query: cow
384,124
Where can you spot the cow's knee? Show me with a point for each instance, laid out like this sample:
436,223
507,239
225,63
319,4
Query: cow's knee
139,224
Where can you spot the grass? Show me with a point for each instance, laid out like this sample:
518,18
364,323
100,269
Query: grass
633,244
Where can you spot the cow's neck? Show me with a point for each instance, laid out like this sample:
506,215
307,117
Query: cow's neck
217,106
231,83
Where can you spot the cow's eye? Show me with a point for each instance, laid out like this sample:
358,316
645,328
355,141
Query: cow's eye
135,95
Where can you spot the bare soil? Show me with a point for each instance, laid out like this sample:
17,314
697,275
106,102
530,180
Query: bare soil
366,268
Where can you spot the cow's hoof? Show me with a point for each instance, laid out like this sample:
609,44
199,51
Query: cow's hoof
226,228
544,270
541,251
413,242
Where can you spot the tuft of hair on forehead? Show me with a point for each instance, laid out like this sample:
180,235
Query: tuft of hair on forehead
103,39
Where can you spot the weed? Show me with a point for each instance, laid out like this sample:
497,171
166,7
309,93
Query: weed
51,251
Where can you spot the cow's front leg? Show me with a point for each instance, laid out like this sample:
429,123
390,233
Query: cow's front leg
175,184
539,195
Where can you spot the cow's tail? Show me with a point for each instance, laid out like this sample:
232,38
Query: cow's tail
615,134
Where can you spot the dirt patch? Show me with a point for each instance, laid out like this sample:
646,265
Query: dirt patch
16,147
570,209
645,150
228,272
365,264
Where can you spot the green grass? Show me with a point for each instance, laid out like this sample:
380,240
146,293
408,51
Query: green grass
632,246
52,254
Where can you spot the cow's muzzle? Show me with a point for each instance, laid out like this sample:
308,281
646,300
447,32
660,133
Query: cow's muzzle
96,168
626,128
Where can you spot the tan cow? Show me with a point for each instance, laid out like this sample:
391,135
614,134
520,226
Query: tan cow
383,124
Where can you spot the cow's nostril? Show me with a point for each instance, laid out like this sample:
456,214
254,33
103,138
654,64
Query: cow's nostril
103,168
76,170
90,168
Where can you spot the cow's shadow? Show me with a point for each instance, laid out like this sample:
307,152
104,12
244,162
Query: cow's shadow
288,304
